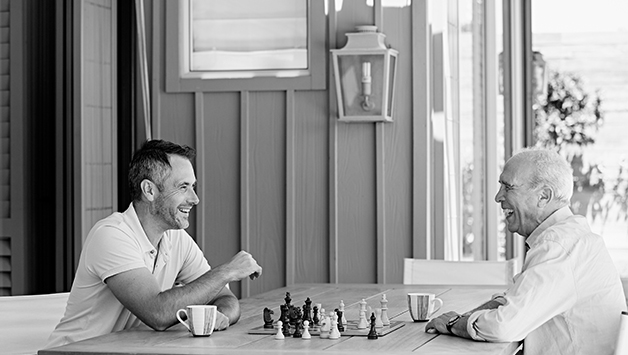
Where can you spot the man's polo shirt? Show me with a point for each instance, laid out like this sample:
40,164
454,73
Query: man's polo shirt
114,245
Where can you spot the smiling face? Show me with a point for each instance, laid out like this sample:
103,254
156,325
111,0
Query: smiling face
172,205
519,202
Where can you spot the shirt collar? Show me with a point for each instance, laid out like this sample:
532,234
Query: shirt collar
130,215
558,215
134,222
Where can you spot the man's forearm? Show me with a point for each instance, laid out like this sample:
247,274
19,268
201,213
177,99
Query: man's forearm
229,306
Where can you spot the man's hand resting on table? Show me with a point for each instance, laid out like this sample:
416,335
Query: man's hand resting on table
439,324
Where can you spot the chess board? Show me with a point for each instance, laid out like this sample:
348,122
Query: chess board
351,329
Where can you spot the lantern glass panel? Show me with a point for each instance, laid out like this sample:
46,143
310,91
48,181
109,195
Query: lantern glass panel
351,81
391,85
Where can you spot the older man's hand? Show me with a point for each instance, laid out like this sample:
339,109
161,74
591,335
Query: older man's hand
439,324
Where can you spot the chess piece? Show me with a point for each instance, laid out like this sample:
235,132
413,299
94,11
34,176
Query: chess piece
341,307
307,310
306,330
378,318
297,329
372,333
288,299
279,335
384,303
325,326
334,333
341,325
362,323
286,328
268,320
315,318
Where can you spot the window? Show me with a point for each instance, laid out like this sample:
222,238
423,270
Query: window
232,45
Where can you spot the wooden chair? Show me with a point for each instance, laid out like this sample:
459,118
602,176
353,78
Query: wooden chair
442,272
27,321
621,347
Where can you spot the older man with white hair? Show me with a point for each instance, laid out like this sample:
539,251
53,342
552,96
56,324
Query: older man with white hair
568,297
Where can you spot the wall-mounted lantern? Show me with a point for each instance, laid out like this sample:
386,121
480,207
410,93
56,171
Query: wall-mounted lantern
540,75
364,71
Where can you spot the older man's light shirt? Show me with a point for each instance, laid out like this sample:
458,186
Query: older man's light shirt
567,299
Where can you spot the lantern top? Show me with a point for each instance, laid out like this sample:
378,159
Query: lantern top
365,38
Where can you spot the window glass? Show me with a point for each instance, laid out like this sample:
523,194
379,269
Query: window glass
248,35
581,107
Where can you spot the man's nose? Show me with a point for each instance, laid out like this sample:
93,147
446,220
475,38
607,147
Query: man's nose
195,200
499,197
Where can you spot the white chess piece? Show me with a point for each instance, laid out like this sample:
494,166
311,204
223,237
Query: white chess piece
334,333
306,330
341,308
325,326
378,318
279,335
362,323
384,302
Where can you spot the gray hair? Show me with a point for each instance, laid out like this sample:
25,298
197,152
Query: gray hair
549,169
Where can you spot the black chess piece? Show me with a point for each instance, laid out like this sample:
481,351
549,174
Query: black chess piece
268,320
372,333
297,329
341,327
288,300
284,313
286,329
315,317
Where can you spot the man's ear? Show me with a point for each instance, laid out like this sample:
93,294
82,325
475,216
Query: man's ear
546,195
149,189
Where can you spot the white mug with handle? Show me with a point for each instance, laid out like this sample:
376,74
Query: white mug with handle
422,305
201,319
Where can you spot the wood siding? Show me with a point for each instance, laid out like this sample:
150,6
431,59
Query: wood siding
312,198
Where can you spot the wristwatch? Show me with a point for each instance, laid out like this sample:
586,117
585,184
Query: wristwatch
452,321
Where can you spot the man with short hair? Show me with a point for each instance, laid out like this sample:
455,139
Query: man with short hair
568,297
141,266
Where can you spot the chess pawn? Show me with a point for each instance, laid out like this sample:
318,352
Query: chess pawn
362,323
297,329
378,318
306,331
334,332
384,303
315,320
279,335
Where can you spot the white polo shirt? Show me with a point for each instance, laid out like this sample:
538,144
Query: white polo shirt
114,245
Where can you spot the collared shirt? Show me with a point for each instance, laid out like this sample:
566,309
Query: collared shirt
114,245
567,299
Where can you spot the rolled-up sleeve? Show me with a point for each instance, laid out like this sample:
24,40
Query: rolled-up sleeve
544,290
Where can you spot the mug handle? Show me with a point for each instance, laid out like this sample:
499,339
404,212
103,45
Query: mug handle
440,304
181,320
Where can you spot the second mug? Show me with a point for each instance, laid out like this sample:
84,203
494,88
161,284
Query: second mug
201,319
422,305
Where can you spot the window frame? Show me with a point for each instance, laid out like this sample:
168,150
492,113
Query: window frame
179,77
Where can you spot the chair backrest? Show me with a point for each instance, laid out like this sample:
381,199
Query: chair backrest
621,347
442,272
27,321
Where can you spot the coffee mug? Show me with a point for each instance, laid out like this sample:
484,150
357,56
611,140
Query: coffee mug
200,319
422,305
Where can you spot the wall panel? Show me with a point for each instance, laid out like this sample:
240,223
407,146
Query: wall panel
311,178
267,184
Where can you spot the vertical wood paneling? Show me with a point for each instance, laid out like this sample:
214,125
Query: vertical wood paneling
357,227
267,165
219,178
398,149
290,188
245,183
421,130
311,154
333,153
